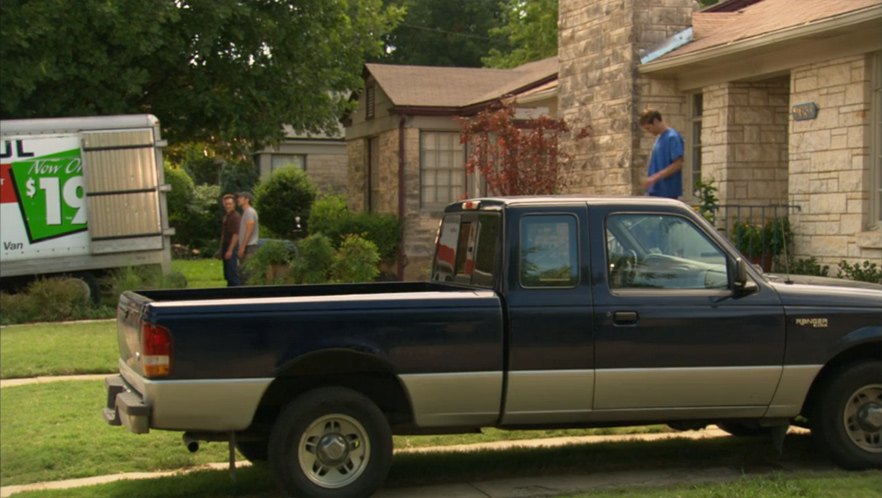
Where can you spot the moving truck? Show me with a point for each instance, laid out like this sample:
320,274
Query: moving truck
81,195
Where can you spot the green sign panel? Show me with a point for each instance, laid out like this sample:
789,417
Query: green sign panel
51,195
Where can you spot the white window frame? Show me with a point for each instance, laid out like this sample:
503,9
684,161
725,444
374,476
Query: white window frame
430,174
875,218
277,161
692,152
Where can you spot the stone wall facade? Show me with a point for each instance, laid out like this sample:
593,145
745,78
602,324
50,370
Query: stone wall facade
600,46
830,162
744,142
328,172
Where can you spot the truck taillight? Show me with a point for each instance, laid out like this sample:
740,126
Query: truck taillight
156,350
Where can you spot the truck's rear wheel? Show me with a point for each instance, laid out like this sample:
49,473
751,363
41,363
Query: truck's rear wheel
331,442
848,418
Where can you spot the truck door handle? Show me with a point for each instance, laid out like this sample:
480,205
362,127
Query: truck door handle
625,317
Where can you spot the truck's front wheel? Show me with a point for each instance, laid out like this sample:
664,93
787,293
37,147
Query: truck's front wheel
848,418
330,442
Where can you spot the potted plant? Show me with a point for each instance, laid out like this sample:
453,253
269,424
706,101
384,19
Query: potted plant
777,238
748,238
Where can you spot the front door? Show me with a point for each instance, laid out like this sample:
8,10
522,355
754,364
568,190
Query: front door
673,339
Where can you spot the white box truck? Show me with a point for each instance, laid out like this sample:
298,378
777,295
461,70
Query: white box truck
80,196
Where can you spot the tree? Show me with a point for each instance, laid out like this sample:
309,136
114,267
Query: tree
446,33
227,72
517,157
528,31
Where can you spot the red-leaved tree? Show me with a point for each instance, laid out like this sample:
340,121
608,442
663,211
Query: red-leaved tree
517,156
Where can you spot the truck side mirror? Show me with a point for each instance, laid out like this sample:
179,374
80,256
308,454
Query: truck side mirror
741,283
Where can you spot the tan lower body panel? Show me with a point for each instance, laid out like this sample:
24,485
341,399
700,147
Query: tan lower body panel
535,397
469,399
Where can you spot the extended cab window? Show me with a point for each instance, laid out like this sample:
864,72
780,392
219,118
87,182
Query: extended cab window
661,252
467,249
549,255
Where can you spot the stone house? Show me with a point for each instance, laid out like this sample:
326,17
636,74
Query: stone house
402,141
780,107
322,156
779,102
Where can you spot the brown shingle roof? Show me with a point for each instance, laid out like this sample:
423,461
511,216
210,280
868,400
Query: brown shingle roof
425,86
713,29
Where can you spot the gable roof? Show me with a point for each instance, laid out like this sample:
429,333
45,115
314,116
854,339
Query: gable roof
716,29
457,87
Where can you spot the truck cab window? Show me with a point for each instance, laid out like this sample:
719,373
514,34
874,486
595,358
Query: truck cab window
549,251
467,250
662,252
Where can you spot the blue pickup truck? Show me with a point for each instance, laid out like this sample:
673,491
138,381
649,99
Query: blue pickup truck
540,312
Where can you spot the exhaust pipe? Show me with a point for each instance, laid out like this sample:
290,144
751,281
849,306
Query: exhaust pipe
191,443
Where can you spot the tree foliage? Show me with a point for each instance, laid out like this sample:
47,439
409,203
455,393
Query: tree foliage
447,33
528,32
517,157
286,194
227,72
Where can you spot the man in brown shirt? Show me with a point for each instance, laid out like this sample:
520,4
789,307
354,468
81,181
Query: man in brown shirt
229,240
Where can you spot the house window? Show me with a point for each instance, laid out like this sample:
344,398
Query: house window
442,168
692,171
876,145
373,175
282,160
370,102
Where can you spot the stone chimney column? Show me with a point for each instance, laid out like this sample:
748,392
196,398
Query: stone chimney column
600,45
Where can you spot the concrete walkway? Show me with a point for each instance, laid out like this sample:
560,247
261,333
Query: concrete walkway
499,488
44,380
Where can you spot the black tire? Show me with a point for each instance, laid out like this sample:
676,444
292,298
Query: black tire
254,451
740,429
356,440
846,418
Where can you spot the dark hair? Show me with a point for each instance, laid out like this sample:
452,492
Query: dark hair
246,195
650,116
228,196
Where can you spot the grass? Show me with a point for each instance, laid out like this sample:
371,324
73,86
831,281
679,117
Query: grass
761,475
201,273
55,431
58,349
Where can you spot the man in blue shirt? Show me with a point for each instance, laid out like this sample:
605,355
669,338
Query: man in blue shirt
665,178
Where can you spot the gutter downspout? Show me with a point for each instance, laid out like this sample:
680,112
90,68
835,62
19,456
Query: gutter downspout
401,163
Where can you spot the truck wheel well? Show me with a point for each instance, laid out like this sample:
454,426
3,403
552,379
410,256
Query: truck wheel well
358,371
867,351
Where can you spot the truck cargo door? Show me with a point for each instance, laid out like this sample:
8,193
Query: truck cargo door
122,190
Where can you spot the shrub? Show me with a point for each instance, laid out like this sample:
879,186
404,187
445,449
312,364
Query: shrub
332,217
866,272
261,267
355,261
47,300
809,266
313,263
327,215
283,196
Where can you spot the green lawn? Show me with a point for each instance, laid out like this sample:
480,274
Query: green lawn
201,273
58,349
55,431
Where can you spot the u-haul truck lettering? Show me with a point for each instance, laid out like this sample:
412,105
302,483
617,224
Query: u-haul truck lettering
42,197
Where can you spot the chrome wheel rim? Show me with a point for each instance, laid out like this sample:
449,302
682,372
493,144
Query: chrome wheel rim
862,418
334,451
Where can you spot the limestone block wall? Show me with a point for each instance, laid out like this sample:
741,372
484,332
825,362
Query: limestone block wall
744,141
357,164
830,163
599,48
388,172
328,172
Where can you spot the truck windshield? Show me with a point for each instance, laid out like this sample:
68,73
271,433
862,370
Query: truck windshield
467,249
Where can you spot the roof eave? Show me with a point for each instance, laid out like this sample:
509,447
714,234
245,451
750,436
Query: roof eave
839,22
